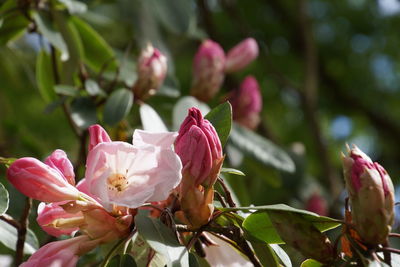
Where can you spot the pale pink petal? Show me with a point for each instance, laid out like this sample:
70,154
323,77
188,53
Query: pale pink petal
97,135
164,140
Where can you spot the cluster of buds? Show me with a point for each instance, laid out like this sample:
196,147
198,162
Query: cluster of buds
120,177
371,195
151,68
247,103
200,150
210,65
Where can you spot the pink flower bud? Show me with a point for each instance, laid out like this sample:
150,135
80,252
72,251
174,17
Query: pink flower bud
97,135
241,55
37,180
317,204
58,160
208,70
55,221
63,253
199,147
371,194
152,69
247,103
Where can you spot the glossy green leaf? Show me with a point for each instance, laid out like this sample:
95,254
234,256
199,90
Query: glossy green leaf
117,106
265,254
162,239
311,263
44,76
48,30
83,112
125,260
9,237
140,250
221,119
175,15
97,53
151,121
93,88
261,149
232,171
74,7
282,255
259,226
4,199
67,90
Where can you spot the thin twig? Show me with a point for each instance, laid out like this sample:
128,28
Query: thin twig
386,254
221,199
392,250
228,194
24,223
394,235
10,220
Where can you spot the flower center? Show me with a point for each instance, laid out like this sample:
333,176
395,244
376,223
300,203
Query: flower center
117,182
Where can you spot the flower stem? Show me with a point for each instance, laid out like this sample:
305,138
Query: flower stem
24,222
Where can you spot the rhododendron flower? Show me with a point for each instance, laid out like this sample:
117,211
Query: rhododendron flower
97,135
55,221
58,160
64,253
128,175
39,181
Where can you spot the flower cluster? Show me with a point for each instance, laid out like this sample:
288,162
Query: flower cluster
119,178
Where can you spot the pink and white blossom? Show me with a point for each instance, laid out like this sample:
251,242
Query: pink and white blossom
128,175
97,135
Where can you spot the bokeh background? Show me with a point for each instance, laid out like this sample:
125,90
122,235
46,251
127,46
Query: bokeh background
329,73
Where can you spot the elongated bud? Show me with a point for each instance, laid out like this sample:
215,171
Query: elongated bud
199,148
58,160
302,235
37,180
371,194
247,103
152,69
55,221
97,135
208,71
241,55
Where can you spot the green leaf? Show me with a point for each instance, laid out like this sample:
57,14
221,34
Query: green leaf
311,263
175,15
12,26
117,106
140,250
48,30
67,90
232,171
125,260
44,76
97,53
261,149
283,256
265,254
162,239
9,237
7,161
4,199
151,121
259,226
83,112
93,88
221,119
74,7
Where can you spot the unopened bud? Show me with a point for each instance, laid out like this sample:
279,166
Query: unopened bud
317,204
199,148
208,70
247,103
372,196
302,235
152,69
241,55
59,161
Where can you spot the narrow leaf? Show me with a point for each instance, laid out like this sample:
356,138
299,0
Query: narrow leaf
221,119
44,76
265,254
232,171
117,106
93,88
261,149
83,112
4,199
67,90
